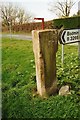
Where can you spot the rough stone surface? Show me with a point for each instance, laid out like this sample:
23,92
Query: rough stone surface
45,46
64,90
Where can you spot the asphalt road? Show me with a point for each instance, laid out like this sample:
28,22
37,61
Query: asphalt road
17,36
23,37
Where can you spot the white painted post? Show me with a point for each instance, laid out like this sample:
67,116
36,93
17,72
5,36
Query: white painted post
62,59
79,51
79,47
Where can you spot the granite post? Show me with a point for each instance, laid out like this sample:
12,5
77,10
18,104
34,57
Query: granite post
45,46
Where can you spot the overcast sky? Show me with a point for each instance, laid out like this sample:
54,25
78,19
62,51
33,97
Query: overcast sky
39,8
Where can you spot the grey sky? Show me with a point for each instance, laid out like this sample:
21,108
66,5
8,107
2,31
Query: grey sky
40,7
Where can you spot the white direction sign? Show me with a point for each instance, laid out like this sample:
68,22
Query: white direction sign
70,36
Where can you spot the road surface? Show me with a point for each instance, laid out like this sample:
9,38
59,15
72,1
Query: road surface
23,37
17,36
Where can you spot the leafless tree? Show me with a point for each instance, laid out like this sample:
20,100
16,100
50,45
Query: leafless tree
12,15
8,14
62,9
23,17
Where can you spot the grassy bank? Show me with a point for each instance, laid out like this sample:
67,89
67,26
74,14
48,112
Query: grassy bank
19,83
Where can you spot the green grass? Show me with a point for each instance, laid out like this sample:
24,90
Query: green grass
19,83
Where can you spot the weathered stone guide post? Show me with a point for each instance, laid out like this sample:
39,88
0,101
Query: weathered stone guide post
45,45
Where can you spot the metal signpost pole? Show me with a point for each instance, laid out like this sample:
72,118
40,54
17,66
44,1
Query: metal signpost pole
79,57
79,47
79,51
62,54
42,21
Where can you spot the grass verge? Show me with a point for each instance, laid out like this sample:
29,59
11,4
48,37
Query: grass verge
19,83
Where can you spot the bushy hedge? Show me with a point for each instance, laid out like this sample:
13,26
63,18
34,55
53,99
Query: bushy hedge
29,27
71,22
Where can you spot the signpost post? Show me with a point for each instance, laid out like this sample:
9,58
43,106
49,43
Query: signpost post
62,54
79,50
79,47
42,22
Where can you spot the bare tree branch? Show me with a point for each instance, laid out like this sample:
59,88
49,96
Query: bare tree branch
12,15
62,8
